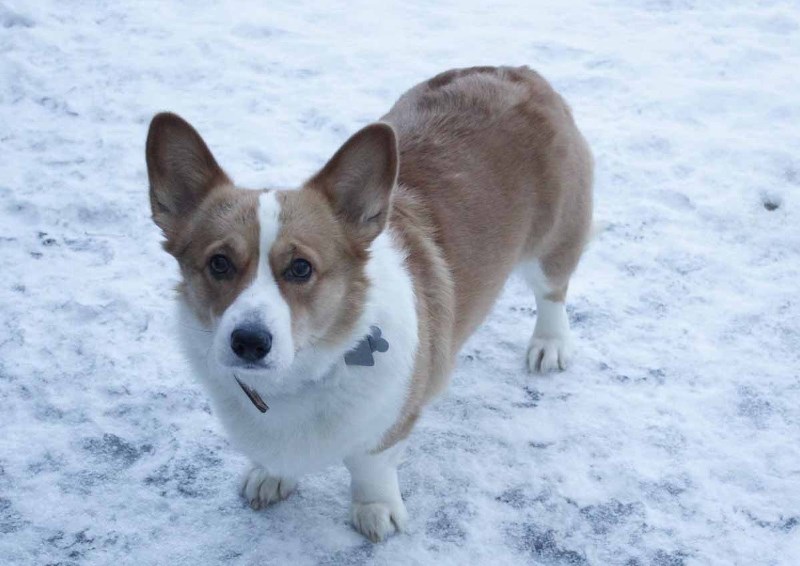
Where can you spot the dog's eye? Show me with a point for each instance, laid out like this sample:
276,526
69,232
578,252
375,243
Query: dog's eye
220,266
299,270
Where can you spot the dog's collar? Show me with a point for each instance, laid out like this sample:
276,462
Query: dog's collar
361,355
253,395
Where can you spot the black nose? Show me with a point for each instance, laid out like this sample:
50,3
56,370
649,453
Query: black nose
251,343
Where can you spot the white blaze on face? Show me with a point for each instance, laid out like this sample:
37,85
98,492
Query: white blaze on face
261,304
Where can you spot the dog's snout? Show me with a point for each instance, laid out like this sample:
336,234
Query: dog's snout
251,343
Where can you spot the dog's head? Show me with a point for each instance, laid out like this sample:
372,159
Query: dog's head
271,276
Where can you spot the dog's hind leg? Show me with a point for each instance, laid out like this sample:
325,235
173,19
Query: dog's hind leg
557,240
550,346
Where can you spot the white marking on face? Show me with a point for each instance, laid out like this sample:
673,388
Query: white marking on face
261,304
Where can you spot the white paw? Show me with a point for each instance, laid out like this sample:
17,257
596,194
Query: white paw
548,354
260,489
376,521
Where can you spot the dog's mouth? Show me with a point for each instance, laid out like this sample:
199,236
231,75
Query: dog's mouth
254,397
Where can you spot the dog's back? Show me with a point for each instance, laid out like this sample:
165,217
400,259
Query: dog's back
492,162
496,157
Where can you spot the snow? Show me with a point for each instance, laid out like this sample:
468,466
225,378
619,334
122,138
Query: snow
672,439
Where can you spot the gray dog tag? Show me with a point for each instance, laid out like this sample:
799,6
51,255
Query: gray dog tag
361,355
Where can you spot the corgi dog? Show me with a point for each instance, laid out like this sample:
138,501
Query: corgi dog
322,320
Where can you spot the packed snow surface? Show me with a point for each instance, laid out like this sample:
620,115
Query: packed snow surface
673,437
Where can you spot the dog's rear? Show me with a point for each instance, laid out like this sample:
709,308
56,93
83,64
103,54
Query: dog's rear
494,158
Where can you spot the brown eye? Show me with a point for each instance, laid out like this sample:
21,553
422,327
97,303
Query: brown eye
220,266
299,271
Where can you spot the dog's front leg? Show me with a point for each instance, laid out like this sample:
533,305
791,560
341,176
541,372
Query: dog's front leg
377,506
261,489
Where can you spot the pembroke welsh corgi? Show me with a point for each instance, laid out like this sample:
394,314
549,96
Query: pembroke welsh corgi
322,320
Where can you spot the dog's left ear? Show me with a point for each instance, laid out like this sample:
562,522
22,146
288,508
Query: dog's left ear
359,178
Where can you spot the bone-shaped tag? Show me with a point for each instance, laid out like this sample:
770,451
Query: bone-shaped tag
361,355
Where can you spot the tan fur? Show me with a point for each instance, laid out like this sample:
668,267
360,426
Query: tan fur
332,222
493,171
226,223
358,181
201,214
182,172
326,307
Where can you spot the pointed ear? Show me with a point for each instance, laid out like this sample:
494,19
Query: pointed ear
181,169
358,180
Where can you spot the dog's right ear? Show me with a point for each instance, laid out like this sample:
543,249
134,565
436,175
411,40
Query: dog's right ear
181,169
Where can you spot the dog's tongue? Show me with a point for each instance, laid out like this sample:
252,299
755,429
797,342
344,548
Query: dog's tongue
253,396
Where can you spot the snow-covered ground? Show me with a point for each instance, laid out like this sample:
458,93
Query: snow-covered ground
673,439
